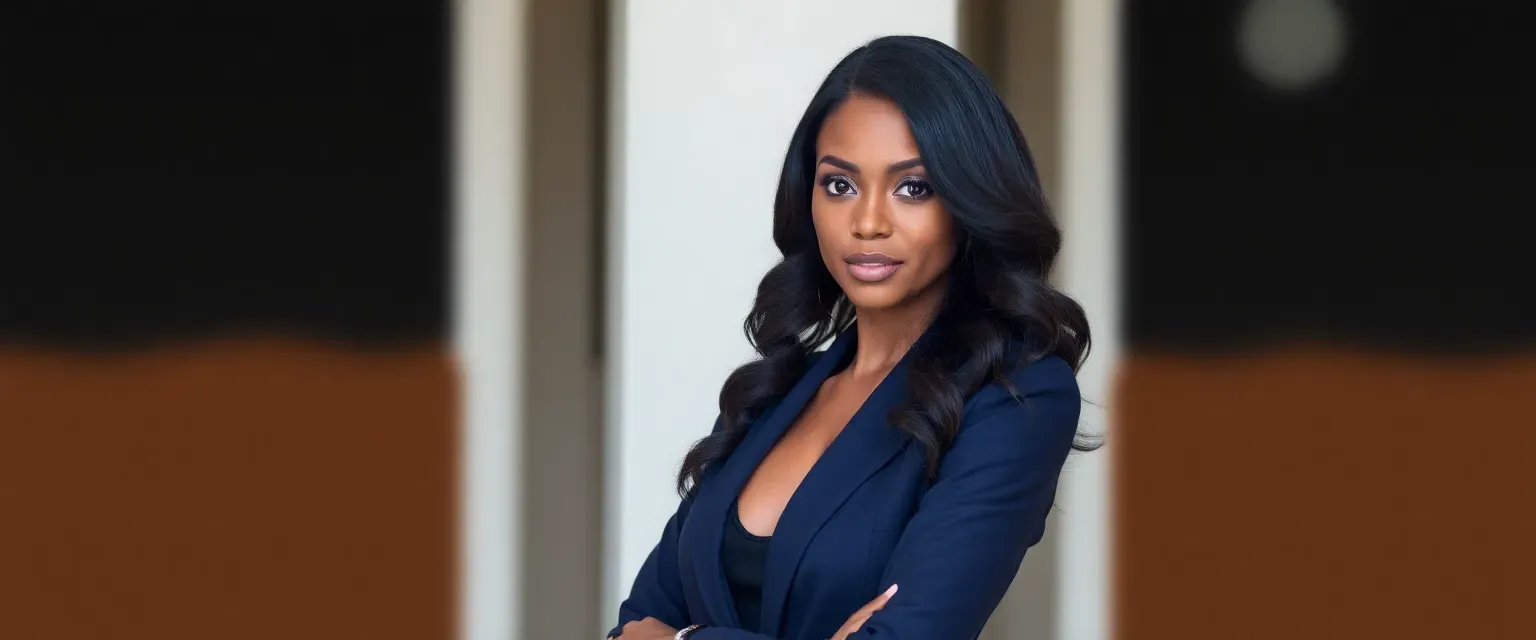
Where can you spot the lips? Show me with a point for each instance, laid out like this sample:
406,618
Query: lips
871,267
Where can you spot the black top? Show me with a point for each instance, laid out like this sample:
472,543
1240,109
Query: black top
744,557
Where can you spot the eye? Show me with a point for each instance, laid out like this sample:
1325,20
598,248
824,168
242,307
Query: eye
914,189
837,186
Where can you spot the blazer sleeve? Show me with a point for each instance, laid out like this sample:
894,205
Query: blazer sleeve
987,506
658,589
996,484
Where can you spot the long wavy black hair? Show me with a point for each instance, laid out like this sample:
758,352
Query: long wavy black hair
997,296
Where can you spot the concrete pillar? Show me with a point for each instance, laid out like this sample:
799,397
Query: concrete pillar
489,92
1088,271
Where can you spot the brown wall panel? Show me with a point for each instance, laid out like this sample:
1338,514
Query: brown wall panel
1313,494
238,489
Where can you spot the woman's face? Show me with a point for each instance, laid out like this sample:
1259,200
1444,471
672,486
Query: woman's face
884,234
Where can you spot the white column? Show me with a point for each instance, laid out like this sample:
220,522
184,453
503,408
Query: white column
704,98
1088,271
488,315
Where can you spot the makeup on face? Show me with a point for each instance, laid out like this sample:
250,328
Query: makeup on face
871,267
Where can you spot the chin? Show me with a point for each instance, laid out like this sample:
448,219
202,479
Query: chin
879,298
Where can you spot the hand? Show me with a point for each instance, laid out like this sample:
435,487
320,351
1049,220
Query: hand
647,629
859,617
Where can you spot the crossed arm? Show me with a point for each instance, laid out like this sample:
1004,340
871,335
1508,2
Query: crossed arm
958,554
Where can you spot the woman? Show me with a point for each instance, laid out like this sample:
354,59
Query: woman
889,485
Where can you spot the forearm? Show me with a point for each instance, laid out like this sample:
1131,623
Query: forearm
721,633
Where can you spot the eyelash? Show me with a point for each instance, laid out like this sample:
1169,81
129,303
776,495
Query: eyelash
827,181
920,184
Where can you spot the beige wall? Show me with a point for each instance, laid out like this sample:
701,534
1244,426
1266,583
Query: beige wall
488,249
562,485
1088,203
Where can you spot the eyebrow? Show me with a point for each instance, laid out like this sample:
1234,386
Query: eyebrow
851,167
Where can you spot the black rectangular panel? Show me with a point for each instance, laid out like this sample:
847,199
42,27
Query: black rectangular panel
179,168
1344,171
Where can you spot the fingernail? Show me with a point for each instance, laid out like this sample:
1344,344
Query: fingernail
891,591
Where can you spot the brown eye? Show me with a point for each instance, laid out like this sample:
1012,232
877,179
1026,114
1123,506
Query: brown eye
914,189
837,186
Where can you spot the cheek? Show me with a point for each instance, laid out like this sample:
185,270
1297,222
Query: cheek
825,222
933,235
819,219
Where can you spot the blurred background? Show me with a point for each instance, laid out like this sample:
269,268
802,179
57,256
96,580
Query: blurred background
393,319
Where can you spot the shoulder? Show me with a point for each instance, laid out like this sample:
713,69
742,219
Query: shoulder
1040,403
1049,377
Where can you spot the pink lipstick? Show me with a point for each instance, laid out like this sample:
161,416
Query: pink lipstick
871,267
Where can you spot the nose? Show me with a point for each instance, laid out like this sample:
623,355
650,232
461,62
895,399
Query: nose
872,219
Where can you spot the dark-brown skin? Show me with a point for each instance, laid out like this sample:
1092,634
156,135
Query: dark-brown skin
888,241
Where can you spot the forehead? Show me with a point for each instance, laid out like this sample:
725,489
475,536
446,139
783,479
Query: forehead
869,128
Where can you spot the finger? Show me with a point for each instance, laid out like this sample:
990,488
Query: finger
879,602
855,624
852,625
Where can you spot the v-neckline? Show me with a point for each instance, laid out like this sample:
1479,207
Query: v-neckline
864,444
845,361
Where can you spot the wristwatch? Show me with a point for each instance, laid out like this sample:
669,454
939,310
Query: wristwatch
683,633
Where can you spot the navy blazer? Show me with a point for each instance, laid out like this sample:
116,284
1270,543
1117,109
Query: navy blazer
866,516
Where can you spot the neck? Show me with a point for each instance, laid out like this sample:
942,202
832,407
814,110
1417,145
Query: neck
885,335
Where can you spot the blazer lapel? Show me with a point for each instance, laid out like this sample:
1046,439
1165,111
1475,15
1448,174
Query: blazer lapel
861,449
714,499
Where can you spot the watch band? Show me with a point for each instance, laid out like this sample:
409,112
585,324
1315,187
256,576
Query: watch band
683,633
